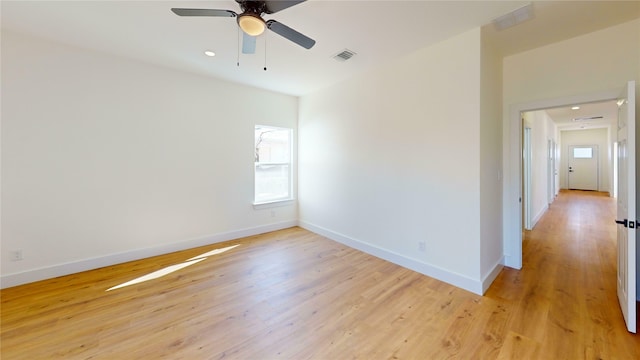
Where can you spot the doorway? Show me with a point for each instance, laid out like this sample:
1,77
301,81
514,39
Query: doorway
513,192
539,166
626,236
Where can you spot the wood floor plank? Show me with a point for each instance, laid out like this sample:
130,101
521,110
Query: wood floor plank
517,346
292,294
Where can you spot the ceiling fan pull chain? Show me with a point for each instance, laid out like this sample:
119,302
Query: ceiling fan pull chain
265,52
238,47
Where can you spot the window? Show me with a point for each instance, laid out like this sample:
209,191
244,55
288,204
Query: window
583,153
272,164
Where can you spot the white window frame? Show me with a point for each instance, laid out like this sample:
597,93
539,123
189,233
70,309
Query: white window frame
275,201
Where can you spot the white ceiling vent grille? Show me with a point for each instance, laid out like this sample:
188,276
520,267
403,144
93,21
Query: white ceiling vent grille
588,118
514,18
344,55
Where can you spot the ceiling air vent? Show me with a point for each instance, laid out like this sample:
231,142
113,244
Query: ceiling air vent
514,18
588,118
344,55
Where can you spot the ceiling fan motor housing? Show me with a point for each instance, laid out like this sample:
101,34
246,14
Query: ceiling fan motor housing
253,7
250,21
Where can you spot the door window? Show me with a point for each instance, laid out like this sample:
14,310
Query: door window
582,152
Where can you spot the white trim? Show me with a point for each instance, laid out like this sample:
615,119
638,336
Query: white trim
492,275
274,203
461,281
527,161
49,272
537,218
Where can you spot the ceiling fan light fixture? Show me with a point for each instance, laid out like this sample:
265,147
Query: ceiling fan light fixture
251,24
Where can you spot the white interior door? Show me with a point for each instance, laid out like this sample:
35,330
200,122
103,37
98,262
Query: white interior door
626,216
583,167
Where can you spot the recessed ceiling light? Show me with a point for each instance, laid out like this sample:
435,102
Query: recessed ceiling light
575,108
210,53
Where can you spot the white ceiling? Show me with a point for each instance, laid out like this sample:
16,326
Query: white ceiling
560,20
564,117
377,31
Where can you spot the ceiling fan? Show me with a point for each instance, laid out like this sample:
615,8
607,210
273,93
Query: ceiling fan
251,22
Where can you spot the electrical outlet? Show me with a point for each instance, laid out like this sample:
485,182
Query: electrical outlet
422,246
16,255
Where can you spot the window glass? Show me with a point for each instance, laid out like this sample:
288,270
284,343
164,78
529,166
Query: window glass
583,153
272,164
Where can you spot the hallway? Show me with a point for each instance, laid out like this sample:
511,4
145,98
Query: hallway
566,290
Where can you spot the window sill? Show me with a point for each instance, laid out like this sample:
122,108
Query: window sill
274,203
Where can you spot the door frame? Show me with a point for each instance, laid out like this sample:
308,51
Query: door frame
526,180
512,161
551,170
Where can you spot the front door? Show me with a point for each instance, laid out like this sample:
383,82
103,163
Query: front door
626,214
583,167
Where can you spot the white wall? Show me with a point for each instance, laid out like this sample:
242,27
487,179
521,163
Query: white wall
106,159
390,158
601,60
542,129
491,247
599,137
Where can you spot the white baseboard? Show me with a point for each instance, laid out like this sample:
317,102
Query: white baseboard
49,272
435,272
438,273
492,275
537,218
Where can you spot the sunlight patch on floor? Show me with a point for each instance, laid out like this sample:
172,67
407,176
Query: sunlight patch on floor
214,252
173,268
157,274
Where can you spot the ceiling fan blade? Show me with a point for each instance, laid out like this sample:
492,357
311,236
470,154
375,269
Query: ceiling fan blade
204,12
290,34
248,43
274,6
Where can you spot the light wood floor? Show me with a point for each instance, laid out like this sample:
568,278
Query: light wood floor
295,295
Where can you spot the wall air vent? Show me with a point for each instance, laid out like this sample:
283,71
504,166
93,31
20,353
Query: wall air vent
344,55
588,118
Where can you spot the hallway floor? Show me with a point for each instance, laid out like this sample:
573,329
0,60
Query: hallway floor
566,290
